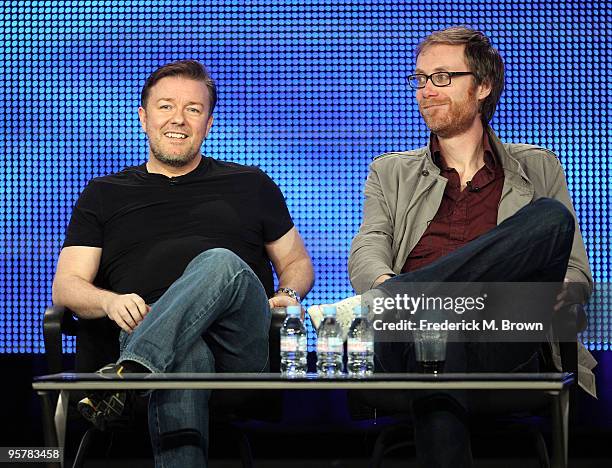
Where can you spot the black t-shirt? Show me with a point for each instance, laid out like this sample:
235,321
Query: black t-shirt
150,226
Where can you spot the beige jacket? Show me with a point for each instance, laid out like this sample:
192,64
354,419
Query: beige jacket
404,190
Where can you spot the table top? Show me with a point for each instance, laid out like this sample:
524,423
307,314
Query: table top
251,381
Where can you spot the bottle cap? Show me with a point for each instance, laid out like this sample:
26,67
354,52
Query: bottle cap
294,310
359,310
329,310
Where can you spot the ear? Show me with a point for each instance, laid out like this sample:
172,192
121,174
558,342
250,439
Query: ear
142,116
209,124
484,89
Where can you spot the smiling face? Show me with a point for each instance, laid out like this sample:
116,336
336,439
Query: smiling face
176,120
450,110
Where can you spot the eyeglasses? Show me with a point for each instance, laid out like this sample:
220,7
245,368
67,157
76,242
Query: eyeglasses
439,79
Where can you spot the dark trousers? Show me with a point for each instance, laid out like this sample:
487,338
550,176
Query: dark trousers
532,245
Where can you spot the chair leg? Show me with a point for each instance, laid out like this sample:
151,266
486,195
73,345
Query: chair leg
47,399
245,450
79,458
540,445
560,414
48,410
61,416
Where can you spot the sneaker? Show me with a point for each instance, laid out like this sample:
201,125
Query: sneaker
108,408
344,313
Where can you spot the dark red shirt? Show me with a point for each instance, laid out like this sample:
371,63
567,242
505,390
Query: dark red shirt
463,215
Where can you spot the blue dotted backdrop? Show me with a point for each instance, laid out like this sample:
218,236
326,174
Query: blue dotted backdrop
310,91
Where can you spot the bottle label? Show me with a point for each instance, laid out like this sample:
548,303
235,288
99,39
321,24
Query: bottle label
355,345
290,344
332,344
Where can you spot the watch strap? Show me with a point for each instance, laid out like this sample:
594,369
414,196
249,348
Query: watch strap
292,293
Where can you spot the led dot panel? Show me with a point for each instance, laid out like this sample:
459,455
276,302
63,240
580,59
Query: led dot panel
310,91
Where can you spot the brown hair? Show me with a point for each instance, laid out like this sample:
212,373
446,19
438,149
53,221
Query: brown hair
483,60
190,69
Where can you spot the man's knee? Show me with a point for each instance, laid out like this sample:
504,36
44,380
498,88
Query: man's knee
555,213
220,258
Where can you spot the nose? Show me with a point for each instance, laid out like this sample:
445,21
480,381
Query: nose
429,90
177,116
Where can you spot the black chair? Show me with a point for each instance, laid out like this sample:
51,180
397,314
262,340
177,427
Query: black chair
97,344
521,412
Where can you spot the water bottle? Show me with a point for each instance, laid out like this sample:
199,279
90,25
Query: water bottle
329,344
360,345
293,344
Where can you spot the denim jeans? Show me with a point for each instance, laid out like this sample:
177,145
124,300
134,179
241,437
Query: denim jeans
214,318
532,245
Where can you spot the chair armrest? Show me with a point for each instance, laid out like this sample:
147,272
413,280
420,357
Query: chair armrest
52,334
56,321
278,318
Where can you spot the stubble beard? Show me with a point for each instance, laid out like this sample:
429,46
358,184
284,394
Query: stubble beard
456,120
176,160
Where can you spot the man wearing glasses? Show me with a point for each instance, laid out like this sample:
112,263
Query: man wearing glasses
465,208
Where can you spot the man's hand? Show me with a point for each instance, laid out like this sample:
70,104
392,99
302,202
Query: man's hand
282,300
126,310
381,279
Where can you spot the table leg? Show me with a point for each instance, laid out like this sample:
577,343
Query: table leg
560,420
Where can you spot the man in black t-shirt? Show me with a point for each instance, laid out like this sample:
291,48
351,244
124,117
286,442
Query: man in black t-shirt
177,252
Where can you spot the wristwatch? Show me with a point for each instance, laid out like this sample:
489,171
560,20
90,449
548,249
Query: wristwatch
292,293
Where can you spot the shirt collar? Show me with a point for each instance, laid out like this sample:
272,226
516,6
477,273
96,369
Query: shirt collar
200,168
490,158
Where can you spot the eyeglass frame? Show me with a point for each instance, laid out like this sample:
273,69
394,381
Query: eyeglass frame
428,78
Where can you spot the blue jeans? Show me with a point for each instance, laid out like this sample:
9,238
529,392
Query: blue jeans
532,245
214,318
